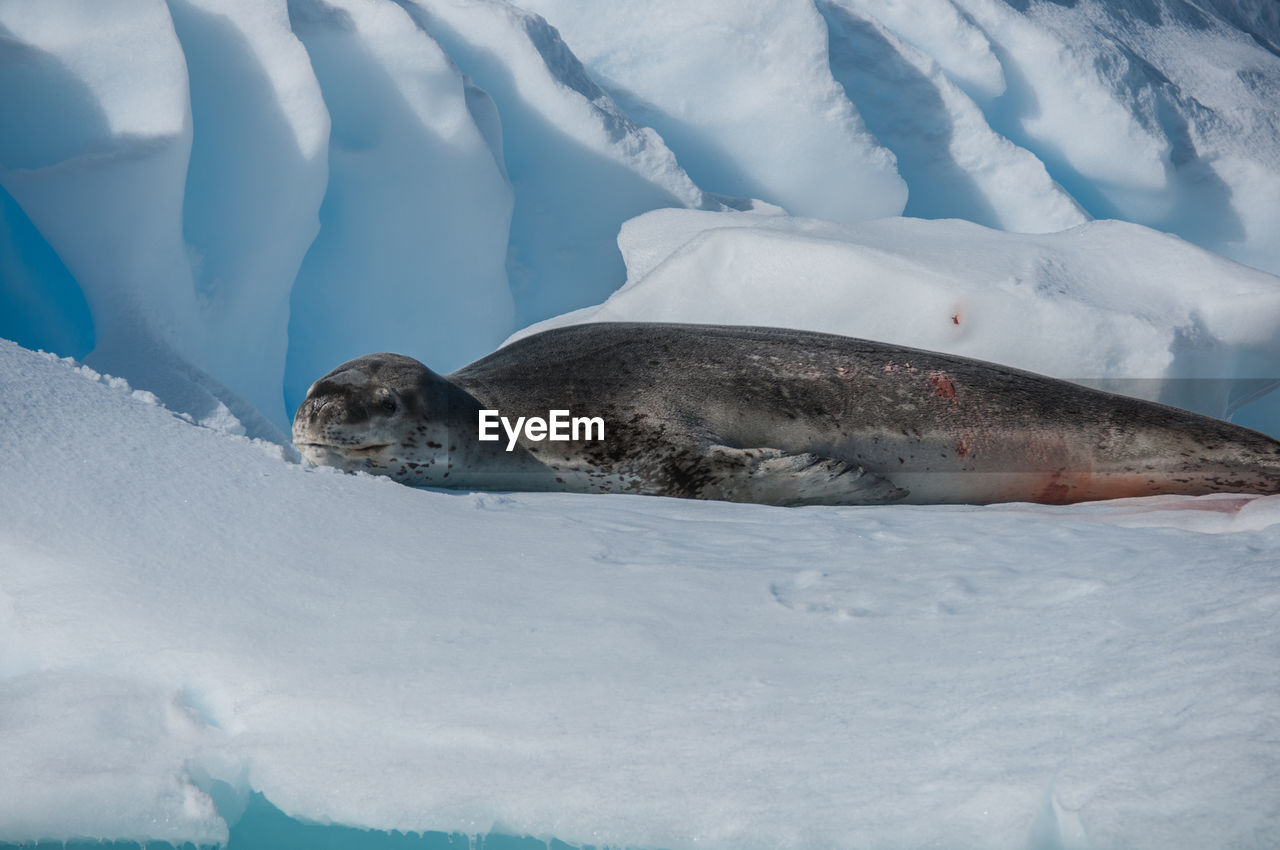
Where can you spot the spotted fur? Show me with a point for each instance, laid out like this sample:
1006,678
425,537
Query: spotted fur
773,416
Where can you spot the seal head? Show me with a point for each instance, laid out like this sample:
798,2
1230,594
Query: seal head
387,414
364,414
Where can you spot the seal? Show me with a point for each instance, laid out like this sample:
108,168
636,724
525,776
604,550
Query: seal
772,416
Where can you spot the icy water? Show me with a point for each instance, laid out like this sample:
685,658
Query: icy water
264,827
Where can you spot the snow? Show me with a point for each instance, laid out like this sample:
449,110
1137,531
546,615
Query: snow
255,181
957,166
1187,98
612,670
579,166
98,167
1008,114
416,203
1078,304
216,201
195,187
766,120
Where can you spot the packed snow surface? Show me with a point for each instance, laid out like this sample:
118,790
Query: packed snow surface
218,200
180,607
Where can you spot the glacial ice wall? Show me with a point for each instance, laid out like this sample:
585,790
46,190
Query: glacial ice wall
222,199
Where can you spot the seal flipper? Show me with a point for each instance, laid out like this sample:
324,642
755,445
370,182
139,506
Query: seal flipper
775,477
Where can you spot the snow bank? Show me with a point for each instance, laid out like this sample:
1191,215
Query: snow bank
97,755
185,616
764,119
955,164
97,164
1107,303
1024,116
1153,112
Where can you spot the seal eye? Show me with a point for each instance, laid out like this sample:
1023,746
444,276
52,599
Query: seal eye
389,404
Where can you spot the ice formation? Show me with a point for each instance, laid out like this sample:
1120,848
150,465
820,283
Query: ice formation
215,201
221,199
1107,303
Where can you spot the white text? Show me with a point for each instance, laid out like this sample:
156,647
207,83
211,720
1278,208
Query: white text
558,425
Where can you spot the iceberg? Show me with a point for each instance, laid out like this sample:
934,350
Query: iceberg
206,204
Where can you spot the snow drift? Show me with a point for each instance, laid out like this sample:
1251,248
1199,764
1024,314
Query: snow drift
1110,304
187,616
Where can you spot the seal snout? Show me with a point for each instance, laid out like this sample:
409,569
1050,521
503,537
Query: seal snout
347,420
332,403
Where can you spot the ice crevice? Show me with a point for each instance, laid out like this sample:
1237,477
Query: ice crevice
413,226
254,183
578,166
